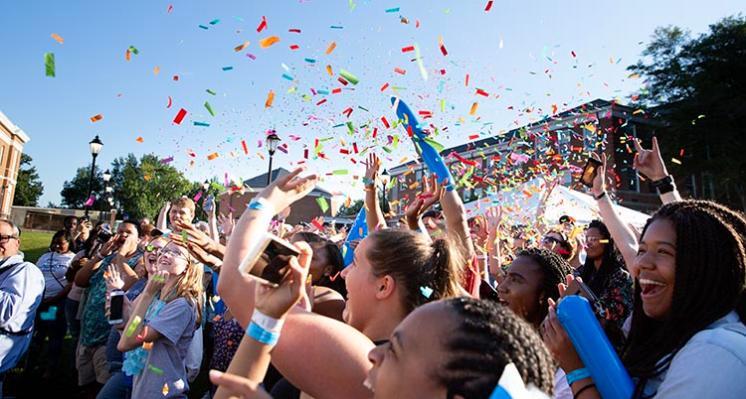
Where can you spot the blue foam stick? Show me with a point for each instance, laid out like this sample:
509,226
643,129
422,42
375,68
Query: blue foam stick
358,231
430,155
608,373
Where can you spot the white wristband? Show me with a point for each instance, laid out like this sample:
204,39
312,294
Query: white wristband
266,322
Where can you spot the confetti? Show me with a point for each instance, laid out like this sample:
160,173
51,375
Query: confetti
488,7
180,115
210,91
227,68
330,48
202,124
676,161
58,38
407,49
321,201
133,326
213,156
349,76
241,46
49,64
154,369
209,108
473,109
96,118
427,292
214,22
392,10
270,99
156,70
262,24
268,41
139,139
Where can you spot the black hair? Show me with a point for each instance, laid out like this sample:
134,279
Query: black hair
57,235
710,282
554,268
611,260
134,223
333,257
489,336
69,218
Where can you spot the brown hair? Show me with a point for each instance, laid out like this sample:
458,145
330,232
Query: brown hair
184,202
426,271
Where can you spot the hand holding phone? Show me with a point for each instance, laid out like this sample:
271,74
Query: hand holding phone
268,261
590,171
116,309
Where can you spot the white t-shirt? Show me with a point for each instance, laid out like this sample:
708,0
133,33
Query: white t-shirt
54,266
712,364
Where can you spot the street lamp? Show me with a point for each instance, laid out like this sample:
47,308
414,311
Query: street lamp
384,181
272,141
107,176
95,145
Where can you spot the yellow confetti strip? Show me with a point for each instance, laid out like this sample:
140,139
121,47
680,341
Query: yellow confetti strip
165,389
474,108
676,161
329,70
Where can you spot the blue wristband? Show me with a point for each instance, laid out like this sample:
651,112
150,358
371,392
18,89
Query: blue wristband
257,205
577,375
258,333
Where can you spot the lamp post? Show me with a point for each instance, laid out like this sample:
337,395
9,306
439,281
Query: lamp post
384,181
95,145
107,189
272,141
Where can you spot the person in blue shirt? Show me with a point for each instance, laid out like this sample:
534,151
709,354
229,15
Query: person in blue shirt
21,290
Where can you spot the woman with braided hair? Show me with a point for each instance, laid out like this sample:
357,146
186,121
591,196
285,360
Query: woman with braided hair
688,338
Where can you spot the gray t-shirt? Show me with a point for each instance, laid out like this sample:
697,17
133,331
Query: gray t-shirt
165,374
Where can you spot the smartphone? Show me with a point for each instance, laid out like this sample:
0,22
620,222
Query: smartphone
590,171
269,260
116,310
209,203
579,288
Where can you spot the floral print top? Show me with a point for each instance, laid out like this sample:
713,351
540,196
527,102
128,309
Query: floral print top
617,294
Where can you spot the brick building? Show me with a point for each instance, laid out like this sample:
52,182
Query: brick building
12,139
560,143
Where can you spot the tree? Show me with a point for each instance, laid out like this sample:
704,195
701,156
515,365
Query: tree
142,186
28,185
352,210
697,86
75,192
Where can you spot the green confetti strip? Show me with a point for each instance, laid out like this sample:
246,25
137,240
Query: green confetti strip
211,91
133,326
349,76
322,204
49,64
154,369
209,108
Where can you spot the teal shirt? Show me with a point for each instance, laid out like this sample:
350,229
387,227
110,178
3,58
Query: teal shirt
95,328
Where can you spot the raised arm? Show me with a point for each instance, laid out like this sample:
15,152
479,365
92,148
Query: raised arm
650,163
374,215
431,193
494,250
457,226
624,238
335,361
162,222
83,276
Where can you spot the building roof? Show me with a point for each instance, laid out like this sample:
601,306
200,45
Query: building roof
567,118
260,181
5,121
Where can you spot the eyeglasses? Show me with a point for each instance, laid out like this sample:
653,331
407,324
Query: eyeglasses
551,240
4,239
174,253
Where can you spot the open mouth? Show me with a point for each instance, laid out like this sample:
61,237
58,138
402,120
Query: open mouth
650,288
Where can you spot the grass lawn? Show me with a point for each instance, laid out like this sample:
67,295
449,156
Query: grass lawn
35,243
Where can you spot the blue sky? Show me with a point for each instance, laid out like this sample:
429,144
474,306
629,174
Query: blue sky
519,53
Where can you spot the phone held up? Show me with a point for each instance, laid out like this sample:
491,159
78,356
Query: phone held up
269,261
590,171
116,310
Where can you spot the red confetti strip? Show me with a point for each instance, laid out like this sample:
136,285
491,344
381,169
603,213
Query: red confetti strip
336,91
344,151
443,49
175,78
473,137
294,47
180,116
573,54
262,24
342,80
375,132
385,122
488,7
464,160
400,71
466,82
245,147
384,87
294,30
407,49
347,111
354,147
321,102
482,93
169,102
305,153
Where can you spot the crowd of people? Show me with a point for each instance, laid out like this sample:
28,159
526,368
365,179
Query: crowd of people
435,305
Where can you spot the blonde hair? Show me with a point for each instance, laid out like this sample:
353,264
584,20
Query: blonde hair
184,202
189,284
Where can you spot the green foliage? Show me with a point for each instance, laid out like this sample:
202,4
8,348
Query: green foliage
28,185
352,211
698,88
75,192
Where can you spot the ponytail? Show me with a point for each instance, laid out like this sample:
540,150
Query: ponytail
423,270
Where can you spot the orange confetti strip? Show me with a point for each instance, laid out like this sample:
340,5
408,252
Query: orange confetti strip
268,41
331,47
473,109
329,70
270,99
139,139
96,118
127,55
156,70
58,38
213,156
241,46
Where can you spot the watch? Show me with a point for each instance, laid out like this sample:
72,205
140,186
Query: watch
664,185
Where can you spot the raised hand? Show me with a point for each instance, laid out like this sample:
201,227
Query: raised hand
194,235
156,283
372,165
226,223
432,192
113,278
649,162
287,189
599,182
110,246
277,301
494,216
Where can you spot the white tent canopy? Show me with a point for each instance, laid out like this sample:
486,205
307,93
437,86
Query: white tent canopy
521,203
